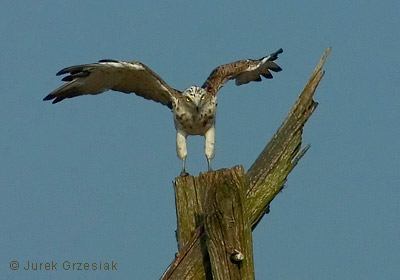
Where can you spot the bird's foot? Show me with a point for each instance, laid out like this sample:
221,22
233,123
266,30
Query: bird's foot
209,166
184,173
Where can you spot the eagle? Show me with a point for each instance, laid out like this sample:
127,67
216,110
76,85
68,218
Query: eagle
194,109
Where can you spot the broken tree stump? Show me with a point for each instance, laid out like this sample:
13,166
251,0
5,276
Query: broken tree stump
217,211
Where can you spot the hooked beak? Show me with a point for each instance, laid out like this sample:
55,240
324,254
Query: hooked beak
197,104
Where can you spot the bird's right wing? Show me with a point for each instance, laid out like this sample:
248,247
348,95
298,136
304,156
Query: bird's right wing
115,75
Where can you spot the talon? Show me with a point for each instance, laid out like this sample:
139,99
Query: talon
183,172
209,165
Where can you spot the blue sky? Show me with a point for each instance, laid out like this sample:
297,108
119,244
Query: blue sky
90,179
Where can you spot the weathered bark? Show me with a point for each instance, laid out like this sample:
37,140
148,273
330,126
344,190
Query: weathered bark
227,228
269,172
213,223
217,210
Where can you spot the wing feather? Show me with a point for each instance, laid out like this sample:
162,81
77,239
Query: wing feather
127,77
243,72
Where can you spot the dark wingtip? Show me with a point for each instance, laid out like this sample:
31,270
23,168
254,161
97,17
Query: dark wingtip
48,97
67,78
62,72
276,69
108,60
51,97
267,75
58,99
277,52
274,55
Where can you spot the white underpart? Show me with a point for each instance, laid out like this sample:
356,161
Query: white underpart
209,143
194,114
248,76
121,64
265,59
181,146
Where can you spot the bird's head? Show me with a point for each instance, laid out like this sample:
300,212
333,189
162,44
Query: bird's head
195,97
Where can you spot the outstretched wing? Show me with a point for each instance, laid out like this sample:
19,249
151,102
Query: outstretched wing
243,72
115,75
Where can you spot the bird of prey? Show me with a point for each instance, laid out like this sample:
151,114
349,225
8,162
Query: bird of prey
194,109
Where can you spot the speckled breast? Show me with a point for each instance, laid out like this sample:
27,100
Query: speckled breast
194,122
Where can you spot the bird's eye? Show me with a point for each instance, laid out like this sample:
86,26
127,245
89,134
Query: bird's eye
203,97
187,99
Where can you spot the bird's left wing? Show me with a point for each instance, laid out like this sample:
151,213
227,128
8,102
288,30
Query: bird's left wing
243,72
115,75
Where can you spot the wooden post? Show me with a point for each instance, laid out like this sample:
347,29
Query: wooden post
217,210
227,226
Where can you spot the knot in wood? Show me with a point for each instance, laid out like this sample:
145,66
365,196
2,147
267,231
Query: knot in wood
237,256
